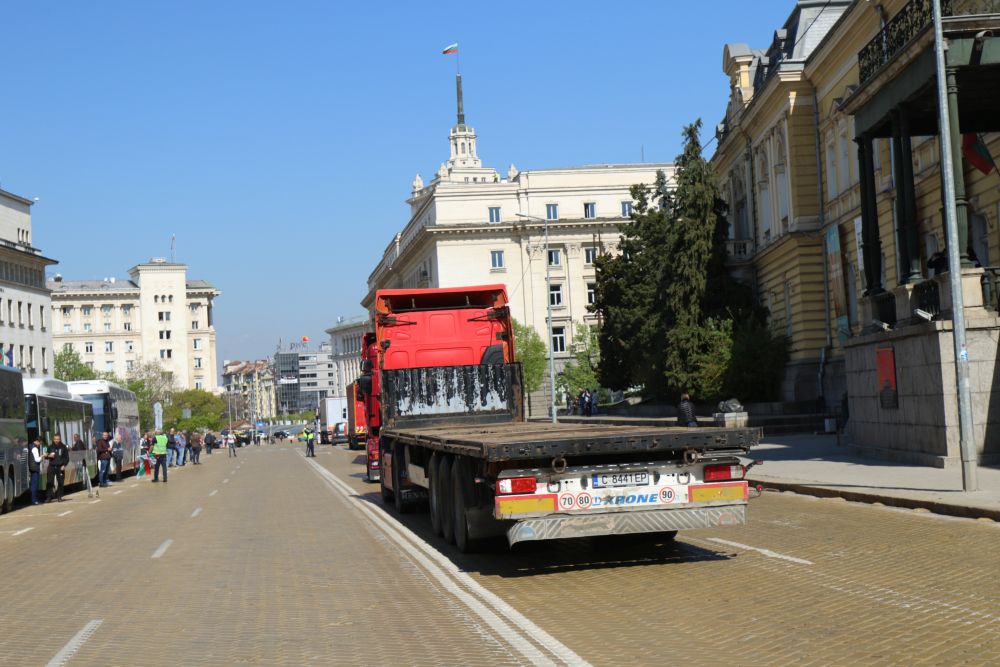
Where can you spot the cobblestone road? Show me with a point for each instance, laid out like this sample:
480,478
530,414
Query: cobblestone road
273,559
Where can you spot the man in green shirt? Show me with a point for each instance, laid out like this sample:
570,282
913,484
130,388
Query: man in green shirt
160,453
310,441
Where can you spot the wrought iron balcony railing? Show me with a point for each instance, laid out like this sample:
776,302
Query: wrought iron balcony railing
739,249
911,21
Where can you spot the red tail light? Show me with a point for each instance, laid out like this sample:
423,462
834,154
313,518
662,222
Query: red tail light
373,454
516,485
722,473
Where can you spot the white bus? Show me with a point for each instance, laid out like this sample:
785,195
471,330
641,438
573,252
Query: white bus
50,408
115,410
13,439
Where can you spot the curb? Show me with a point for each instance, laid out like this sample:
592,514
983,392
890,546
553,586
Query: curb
938,507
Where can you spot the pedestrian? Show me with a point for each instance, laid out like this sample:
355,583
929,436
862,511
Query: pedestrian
181,443
58,456
78,444
231,441
160,447
34,468
196,448
189,445
685,411
310,441
588,402
209,441
103,459
118,457
172,448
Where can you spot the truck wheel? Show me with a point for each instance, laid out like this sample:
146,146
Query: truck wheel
433,495
444,499
398,466
4,508
387,494
463,496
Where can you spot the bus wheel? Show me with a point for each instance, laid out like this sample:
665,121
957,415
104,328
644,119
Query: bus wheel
463,497
3,487
444,508
434,493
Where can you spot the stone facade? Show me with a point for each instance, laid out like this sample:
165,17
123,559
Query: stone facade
346,343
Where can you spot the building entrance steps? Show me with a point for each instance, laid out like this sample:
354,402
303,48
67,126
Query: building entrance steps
817,465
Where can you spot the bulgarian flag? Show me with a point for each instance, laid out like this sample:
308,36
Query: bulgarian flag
451,48
976,153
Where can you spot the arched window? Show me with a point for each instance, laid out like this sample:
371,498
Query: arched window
156,298
463,148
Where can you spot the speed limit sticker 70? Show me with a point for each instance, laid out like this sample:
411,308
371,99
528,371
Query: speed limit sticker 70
667,495
567,501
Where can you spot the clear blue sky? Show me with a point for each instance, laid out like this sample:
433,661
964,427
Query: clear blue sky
278,140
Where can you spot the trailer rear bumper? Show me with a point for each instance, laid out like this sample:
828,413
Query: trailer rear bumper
619,523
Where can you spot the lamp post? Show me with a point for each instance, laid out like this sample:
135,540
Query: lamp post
548,317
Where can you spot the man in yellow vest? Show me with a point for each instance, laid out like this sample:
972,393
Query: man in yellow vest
160,453
310,441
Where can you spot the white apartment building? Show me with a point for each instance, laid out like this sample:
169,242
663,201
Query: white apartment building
316,374
249,389
25,331
157,314
345,344
470,226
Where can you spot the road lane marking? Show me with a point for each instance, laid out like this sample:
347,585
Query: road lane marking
94,501
134,485
23,531
215,491
496,613
117,492
74,644
162,549
765,552
225,481
195,513
65,513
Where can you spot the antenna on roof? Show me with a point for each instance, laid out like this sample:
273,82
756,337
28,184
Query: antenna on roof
173,239
642,152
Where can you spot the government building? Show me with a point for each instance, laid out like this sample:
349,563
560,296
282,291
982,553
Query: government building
470,225
158,314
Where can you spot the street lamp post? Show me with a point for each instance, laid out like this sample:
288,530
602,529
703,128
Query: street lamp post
548,317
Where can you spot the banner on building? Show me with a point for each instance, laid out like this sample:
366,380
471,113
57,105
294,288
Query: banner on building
885,363
835,266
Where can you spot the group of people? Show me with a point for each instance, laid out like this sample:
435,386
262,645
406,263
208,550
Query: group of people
57,454
585,403
175,448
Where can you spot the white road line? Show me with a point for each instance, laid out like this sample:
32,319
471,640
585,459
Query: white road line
765,552
94,501
23,531
215,491
496,613
117,492
162,549
195,513
225,481
134,485
74,644
65,513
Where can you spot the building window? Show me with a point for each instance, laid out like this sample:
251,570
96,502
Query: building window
107,326
199,383
45,361
67,328
589,254
496,259
129,365
552,211
67,347
163,316
88,347
41,317
558,339
197,343
197,362
590,210
66,310
88,327
105,310
90,365
165,334
194,308
20,313
170,298
555,295
86,311
156,298
126,310
194,324
591,293
109,346
494,214
555,257
166,354
129,346
127,326
626,209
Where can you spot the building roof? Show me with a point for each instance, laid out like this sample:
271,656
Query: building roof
17,198
200,284
348,323
97,285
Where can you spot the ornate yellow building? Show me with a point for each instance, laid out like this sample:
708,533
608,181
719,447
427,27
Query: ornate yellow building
829,159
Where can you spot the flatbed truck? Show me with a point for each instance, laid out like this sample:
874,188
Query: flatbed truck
451,436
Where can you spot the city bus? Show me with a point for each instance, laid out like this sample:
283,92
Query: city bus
50,408
115,410
13,439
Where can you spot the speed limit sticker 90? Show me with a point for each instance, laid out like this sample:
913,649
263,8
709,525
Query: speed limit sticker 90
667,495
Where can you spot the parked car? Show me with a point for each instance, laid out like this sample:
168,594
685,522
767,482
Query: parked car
280,435
339,432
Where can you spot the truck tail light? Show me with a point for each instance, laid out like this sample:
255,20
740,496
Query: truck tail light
723,473
516,485
373,454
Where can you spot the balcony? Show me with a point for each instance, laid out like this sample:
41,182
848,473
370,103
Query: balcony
739,250
909,24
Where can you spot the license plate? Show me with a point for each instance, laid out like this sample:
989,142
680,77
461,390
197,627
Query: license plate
614,479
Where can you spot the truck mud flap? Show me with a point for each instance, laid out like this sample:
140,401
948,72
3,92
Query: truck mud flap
620,523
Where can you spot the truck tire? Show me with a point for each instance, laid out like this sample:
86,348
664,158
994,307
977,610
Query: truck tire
463,497
387,494
4,508
444,499
434,493
398,465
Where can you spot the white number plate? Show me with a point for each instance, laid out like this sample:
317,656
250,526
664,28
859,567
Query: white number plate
614,479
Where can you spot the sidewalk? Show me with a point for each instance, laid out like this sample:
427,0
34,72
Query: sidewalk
815,465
